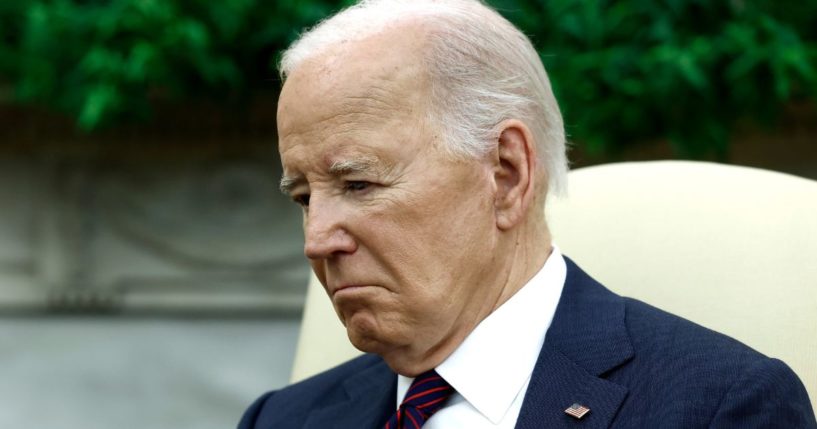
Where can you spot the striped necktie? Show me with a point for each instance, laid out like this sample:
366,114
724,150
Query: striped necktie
425,397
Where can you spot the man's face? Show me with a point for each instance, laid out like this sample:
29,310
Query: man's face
399,234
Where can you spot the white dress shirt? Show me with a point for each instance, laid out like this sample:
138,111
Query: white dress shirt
491,369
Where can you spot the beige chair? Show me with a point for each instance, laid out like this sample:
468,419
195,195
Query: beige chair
731,248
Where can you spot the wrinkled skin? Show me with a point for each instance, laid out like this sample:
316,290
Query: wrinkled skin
413,247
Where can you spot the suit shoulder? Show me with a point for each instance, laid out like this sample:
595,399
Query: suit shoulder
292,404
768,394
702,377
653,330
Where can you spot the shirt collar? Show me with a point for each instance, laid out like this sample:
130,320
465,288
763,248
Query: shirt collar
495,361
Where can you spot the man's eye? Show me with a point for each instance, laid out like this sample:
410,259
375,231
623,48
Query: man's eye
301,200
357,185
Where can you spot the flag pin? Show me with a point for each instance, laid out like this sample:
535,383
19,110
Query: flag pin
577,410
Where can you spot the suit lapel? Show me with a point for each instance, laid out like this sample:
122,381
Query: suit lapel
371,396
586,339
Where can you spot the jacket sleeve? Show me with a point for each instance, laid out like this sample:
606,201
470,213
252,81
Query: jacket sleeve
251,414
767,395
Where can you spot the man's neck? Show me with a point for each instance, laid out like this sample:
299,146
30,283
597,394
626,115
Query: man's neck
531,248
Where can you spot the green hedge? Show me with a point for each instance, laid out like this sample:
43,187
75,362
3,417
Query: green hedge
624,71
685,70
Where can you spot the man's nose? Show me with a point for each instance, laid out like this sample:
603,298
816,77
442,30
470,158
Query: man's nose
325,231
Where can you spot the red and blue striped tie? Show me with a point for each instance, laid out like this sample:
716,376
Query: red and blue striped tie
425,397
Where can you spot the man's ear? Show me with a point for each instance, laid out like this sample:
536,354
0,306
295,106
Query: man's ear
514,173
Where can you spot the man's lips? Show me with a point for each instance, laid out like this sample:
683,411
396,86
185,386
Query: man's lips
347,288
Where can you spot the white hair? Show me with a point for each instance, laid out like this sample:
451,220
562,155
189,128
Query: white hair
482,69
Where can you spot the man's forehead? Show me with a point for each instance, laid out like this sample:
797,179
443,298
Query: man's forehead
338,159
308,100
382,69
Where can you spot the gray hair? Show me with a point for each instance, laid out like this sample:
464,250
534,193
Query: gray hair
483,71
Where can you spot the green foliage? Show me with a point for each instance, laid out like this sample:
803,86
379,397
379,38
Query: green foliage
624,71
683,69
103,60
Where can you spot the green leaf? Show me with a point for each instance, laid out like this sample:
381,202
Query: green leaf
101,100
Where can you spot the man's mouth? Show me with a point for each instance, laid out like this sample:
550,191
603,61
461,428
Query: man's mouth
345,289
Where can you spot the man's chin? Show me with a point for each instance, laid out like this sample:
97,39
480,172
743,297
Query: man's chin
363,334
397,355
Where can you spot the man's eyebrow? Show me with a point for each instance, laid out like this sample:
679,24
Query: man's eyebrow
358,165
288,183
361,164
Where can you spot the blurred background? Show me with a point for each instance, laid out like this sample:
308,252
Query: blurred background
151,276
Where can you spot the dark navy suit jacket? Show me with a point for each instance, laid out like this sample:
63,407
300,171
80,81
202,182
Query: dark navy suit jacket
633,365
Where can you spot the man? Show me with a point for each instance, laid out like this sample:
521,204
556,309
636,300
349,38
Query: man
421,139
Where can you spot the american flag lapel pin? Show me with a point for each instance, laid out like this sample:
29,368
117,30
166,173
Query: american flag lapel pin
577,411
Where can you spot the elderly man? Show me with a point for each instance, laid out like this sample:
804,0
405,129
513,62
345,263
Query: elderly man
421,139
